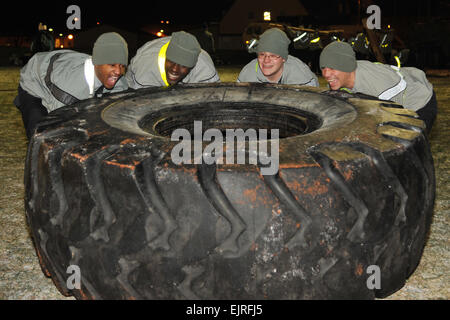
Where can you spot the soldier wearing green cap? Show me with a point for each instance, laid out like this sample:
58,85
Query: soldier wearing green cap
273,63
406,86
171,60
51,80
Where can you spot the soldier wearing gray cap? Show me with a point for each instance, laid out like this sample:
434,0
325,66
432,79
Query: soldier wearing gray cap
406,86
170,60
51,80
274,64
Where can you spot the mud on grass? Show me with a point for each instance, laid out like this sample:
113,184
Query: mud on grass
21,276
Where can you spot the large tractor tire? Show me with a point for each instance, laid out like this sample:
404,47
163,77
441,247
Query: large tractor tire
346,216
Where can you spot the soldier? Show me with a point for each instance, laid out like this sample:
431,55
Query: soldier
274,64
170,60
406,86
51,80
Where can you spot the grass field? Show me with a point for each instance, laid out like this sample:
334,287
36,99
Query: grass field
20,273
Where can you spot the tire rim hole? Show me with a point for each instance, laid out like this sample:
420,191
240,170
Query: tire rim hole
222,116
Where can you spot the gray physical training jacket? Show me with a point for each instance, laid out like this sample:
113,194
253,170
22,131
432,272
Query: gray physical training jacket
407,86
62,77
295,71
145,71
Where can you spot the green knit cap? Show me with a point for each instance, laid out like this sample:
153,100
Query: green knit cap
183,49
339,56
110,48
274,41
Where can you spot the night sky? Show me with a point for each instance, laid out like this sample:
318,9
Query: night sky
23,17
129,14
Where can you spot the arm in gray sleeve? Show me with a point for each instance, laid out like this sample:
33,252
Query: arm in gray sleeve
131,81
314,82
204,71
297,72
249,72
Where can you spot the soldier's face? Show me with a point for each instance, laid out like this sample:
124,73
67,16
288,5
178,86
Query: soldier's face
175,72
338,79
270,64
109,74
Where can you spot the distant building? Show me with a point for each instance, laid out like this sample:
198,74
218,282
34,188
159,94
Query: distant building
243,12
15,41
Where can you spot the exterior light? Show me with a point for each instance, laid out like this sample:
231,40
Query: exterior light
70,36
159,34
267,16
252,43
300,37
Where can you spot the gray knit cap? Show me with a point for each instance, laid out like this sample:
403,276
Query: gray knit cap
274,41
339,56
183,49
110,48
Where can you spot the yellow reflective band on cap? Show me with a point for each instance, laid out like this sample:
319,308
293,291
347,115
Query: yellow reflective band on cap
162,61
